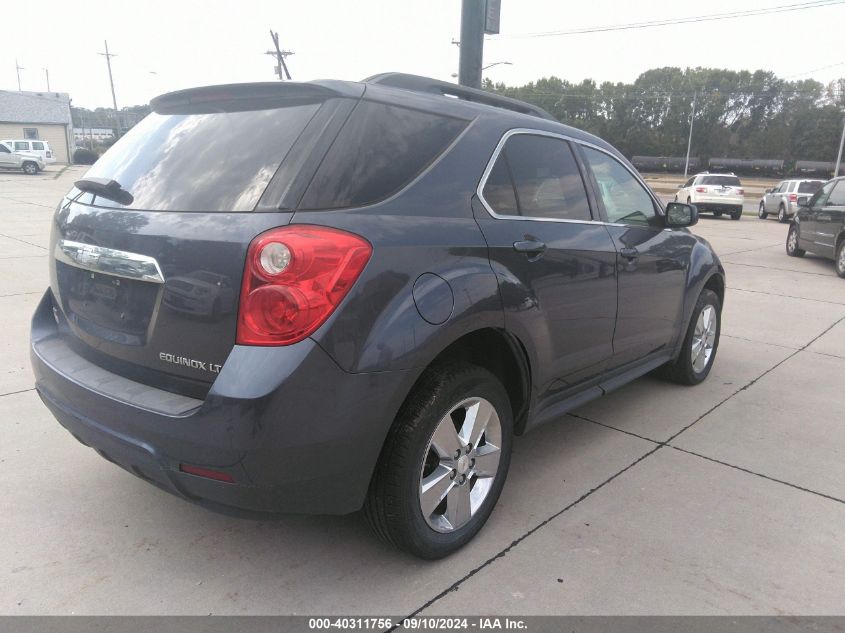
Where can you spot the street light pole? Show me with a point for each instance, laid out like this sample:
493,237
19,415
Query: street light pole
472,42
108,57
689,141
47,73
18,69
839,155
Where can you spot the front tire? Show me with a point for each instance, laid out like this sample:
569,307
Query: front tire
840,259
700,343
444,462
792,248
761,211
782,215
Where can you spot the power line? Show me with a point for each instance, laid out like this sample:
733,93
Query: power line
687,20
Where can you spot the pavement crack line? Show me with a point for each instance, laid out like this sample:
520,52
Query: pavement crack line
775,294
12,393
786,270
749,384
504,552
12,237
455,585
752,472
35,204
710,459
751,340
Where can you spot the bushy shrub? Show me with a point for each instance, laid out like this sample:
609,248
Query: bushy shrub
84,156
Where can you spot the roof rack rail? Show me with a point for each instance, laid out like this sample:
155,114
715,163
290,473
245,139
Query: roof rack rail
418,83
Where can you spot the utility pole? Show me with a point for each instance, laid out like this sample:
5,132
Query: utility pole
472,42
280,55
689,141
18,69
839,155
47,73
108,57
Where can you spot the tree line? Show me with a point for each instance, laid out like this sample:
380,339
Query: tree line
739,114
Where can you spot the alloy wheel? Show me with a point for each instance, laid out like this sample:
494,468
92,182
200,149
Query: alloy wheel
461,463
703,338
840,261
792,240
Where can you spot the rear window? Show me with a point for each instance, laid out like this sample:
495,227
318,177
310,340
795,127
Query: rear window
809,186
220,161
380,149
727,181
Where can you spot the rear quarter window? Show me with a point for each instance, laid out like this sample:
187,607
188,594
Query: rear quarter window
380,149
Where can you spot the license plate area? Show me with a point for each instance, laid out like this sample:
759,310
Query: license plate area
106,306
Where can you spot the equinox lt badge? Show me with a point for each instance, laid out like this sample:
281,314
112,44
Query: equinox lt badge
189,362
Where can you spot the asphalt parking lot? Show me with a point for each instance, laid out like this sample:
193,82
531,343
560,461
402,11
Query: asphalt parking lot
726,498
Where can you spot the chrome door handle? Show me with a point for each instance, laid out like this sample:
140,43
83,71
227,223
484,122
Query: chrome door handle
532,247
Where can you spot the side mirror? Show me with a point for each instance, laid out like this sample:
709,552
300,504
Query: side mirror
769,190
679,214
803,201
681,186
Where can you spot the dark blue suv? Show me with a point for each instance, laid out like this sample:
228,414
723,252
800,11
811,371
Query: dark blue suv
317,297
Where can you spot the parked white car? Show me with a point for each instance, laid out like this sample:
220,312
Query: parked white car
27,163
783,199
716,193
29,146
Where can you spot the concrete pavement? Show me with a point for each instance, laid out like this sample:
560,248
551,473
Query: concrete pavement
726,498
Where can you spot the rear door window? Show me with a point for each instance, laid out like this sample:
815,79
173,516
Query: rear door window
545,176
379,151
218,161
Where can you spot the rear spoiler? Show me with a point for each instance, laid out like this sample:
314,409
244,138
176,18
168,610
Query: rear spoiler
252,96
418,83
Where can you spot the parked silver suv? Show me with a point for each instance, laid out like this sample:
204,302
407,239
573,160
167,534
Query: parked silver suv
28,163
783,199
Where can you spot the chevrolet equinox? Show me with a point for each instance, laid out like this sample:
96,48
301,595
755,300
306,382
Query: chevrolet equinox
326,296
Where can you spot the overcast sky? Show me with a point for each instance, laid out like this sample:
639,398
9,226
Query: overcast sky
167,45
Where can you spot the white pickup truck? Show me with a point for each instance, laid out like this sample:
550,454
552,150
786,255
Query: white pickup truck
28,163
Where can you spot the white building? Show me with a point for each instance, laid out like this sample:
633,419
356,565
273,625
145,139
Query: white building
97,133
43,116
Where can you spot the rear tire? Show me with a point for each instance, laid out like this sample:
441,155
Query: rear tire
417,458
761,212
30,169
700,342
736,215
782,215
792,248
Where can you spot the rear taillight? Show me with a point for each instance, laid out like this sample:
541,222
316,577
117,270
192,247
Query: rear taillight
295,276
793,197
701,189
49,154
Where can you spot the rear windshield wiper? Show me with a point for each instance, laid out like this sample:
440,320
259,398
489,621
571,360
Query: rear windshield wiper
105,188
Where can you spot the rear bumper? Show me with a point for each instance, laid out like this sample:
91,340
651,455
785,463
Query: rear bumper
294,431
724,207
